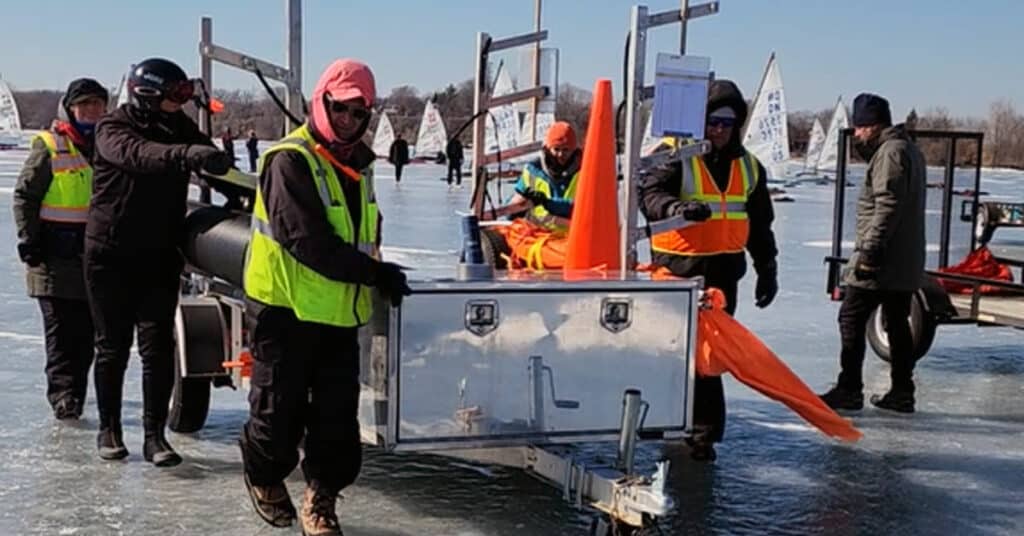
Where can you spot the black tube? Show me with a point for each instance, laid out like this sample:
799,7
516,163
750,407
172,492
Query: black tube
838,211
277,101
947,204
977,194
216,240
472,251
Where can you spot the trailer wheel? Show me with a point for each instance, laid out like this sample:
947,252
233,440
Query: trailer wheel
494,247
922,331
199,334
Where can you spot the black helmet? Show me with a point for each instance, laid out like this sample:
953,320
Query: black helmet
155,79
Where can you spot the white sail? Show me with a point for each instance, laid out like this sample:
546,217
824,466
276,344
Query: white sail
767,135
122,93
814,145
503,130
383,137
544,122
432,137
830,151
10,121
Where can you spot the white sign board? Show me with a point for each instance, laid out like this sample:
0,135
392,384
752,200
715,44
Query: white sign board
680,95
548,77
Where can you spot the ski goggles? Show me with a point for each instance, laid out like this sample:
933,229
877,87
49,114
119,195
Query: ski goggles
723,122
357,112
180,92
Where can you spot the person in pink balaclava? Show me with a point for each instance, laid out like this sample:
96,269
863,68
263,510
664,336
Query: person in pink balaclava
312,263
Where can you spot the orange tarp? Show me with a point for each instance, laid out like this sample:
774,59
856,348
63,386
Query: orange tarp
978,263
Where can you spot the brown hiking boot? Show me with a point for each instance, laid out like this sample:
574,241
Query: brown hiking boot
272,503
317,515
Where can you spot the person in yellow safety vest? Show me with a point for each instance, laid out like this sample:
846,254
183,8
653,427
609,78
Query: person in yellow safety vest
726,192
547,186
51,200
310,267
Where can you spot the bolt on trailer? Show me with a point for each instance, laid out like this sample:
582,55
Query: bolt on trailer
516,371
978,300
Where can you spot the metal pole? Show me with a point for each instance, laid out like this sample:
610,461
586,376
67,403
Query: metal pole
479,94
947,205
631,160
838,211
537,392
206,72
536,70
627,430
684,6
977,188
293,95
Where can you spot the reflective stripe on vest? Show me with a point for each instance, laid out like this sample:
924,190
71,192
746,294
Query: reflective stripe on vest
274,277
539,181
727,230
67,199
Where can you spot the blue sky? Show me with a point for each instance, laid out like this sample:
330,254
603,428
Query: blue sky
957,54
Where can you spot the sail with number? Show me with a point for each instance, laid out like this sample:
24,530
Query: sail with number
502,129
828,161
10,121
815,144
432,137
383,137
767,135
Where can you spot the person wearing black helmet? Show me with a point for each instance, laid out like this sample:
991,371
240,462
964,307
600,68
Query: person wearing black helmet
50,203
146,151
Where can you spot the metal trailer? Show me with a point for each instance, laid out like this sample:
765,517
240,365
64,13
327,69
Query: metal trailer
933,305
519,371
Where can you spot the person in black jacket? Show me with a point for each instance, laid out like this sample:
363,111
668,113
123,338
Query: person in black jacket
252,145
715,249
454,153
398,155
145,152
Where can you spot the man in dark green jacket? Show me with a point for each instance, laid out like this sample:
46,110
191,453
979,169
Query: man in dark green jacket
887,265
50,200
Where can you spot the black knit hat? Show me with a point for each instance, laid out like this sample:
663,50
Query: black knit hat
82,89
870,109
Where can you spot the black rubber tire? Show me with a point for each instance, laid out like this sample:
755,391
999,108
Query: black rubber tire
494,247
190,397
922,331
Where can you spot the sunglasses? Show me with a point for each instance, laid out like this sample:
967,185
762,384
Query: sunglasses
357,112
724,122
180,93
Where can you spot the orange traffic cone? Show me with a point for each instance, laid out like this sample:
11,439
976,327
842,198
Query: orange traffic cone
594,231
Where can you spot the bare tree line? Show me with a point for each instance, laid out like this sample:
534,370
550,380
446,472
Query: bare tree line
246,110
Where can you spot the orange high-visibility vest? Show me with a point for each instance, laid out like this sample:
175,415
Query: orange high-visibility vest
727,229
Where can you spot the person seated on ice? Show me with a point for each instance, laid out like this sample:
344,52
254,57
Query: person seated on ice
546,189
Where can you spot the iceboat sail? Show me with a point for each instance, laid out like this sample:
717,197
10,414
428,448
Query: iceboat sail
815,144
10,121
502,129
432,137
767,135
383,137
830,151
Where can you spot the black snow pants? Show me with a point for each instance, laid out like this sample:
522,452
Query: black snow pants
854,313
69,347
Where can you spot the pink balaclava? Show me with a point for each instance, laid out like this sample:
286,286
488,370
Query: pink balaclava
343,79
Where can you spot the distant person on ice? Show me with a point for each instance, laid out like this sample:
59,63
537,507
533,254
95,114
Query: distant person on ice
51,200
252,145
398,155
454,153
227,142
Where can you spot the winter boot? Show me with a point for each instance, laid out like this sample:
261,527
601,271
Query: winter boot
895,400
156,449
109,442
272,503
318,515
67,408
843,398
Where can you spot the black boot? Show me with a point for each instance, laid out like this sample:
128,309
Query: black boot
109,442
156,449
842,398
899,400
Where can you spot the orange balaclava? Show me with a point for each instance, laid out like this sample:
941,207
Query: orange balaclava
342,80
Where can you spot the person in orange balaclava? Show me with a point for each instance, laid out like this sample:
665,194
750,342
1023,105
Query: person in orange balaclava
312,262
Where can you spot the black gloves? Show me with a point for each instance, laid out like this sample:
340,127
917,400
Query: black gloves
691,210
390,280
30,253
209,159
767,285
534,196
867,265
